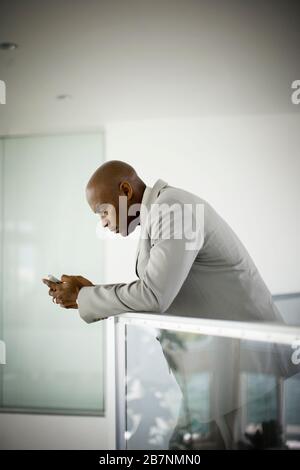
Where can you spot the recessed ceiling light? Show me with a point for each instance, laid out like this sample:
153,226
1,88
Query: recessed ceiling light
63,97
8,46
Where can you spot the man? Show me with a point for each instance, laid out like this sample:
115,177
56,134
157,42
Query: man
204,272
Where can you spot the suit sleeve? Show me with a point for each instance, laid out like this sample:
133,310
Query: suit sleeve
174,246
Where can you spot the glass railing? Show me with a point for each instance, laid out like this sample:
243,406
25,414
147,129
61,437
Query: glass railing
189,383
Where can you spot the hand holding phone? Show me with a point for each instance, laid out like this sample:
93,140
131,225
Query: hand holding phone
66,294
50,280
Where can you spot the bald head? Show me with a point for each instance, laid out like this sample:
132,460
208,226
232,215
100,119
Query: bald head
110,181
110,174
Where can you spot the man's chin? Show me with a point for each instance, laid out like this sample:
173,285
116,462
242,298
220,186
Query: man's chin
125,233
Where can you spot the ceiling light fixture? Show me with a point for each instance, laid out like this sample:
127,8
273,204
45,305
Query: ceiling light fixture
63,97
8,46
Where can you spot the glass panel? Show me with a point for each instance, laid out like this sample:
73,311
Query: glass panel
192,391
289,307
54,359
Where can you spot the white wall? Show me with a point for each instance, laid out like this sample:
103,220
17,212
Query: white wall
247,167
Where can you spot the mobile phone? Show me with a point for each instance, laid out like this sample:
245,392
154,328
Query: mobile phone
53,279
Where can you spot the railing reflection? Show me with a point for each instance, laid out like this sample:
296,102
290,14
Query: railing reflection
186,383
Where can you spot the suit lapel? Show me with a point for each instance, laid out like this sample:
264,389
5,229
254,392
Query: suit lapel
149,197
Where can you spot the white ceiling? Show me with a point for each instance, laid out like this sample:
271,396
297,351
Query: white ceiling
139,59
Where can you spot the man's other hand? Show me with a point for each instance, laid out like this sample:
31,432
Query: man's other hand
66,292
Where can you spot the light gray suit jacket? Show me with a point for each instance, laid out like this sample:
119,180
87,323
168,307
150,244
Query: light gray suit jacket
217,280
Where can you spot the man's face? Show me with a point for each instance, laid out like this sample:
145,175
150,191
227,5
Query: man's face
112,210
108,216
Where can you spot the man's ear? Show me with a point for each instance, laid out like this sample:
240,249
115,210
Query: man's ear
126,189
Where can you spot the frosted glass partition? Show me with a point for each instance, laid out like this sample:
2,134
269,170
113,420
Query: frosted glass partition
289,307
54,359
187,383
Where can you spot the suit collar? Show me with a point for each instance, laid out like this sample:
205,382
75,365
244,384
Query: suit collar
149,196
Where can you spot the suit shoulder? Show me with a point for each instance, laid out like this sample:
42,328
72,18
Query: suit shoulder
171,194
